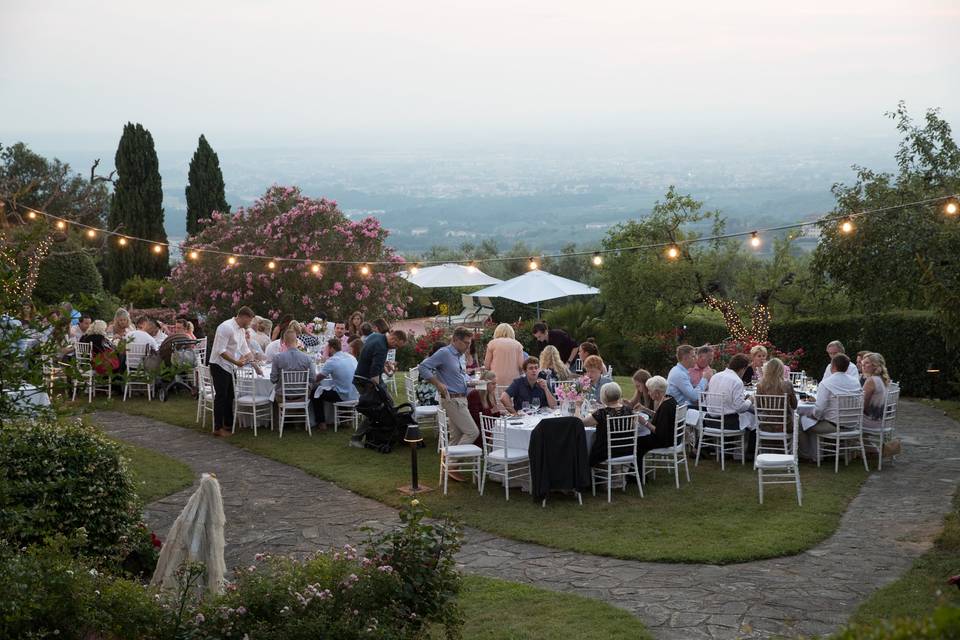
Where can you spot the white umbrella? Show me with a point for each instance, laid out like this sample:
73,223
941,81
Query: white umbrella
537,286
449,275
196,536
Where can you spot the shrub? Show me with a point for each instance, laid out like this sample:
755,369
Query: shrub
63,478
143,293
67,274
944,624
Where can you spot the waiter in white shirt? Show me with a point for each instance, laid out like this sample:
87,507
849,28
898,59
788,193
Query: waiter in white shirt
230,350
836,348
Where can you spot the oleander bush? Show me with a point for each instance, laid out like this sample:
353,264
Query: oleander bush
65,478
404,583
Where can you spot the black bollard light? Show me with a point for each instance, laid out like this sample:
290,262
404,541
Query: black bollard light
413,438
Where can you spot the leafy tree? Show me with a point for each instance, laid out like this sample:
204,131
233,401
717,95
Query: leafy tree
205,189
68,274
136,209
881,263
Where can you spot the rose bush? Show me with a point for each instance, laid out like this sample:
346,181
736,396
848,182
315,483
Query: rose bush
285,223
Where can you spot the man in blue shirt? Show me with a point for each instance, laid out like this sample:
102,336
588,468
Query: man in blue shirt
678,381
338,371
445,370
527,387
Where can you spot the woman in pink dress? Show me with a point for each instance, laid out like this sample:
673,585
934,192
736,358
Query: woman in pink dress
504,355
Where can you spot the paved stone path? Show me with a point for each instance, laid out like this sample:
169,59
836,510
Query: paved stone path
274,507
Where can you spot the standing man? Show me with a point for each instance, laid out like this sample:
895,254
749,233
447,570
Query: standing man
373,358
567,346
230,350
702,365
445,371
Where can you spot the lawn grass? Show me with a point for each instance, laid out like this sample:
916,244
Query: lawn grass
500,610
714,519
924,587
155,474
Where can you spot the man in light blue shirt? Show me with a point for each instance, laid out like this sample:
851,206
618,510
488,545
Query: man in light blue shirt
336,380
445,371
679,385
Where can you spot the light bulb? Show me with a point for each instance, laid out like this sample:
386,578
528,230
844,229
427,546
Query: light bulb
91,233
61,225
271,265
597,260
194,255
231,260
952,207
365,270
32,215
673,252
754,240
315,268
532,264
846,226
157,248
472,268
414,270
122,241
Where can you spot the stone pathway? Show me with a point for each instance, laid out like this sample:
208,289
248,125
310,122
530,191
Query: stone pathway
274,507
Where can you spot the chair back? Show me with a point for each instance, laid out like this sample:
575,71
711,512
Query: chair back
135,355
680,425
84,354
890,407
391,355
850,411
577,366
493,430
413,374
206,382
610,370
244,382
410,389
294,386
201,348
772,413
621,434
711,404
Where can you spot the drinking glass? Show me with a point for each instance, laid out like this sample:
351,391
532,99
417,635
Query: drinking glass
525,407
535,403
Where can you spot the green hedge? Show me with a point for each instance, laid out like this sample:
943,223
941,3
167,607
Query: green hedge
944,624
910,342
67,274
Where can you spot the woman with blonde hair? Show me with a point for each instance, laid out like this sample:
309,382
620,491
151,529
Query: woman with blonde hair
121,323
483,400
874,389
504,354
758,355
552,366
641,397
772,384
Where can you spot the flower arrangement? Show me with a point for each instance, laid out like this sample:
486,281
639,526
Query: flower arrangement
574,391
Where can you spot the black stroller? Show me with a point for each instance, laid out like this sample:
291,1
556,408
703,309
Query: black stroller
384,424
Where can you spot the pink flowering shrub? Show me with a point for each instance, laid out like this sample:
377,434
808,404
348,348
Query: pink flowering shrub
285,223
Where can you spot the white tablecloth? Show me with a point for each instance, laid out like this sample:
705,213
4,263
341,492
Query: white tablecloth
28,396
519,429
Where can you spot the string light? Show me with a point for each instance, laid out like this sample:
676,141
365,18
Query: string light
673,251
532,264
271,265
122,241
315,268
952,207
158,249
193,255
597,260
414,270
754,240
32,215
472,267
365,270
231,261
846,226
61,225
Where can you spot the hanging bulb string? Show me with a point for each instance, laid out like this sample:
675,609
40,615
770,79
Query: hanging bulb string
187,251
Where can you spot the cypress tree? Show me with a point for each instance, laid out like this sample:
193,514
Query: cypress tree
205,189
136,210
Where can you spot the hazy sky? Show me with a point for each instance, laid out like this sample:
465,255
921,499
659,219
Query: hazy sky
252,72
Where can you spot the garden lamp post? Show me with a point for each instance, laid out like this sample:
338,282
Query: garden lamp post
413,438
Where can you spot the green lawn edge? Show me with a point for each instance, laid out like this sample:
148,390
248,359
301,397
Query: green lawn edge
155,475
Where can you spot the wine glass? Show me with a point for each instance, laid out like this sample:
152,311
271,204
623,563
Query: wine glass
535,403
525,407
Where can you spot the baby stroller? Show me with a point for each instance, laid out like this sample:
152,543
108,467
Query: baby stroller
384,425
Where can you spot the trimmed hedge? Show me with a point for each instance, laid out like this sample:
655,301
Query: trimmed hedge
910,342
63,276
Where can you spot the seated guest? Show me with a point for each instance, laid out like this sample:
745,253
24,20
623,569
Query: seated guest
307,337
365,330
662,423
826,411
758,356
139,336
733,401
338,369
356,347
611,396
833,349
680,387
78,330
483,400
253,345
641,397
772,384
353,324
96,336
340,333
261,331
704,360
527,387
121,324
558,338
587,349
148,324
874,389
504,355
596,370
291,359
185,327
552,367
281,326
272,350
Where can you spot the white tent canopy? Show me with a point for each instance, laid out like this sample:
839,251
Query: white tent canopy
537,286
449,275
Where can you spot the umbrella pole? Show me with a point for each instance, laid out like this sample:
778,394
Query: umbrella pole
538,309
